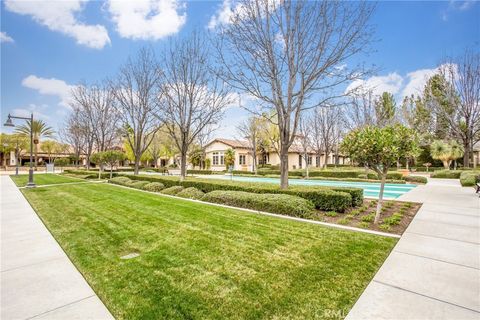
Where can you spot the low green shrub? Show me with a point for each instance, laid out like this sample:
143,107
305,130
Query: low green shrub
123,181
137,184
364,224
393,220
416,179
89,174
172,190
469,178
274,203
325,198
390,176
199,171
343,221
446,174
385,227
191,193
331,214
154,187
368,218
373,180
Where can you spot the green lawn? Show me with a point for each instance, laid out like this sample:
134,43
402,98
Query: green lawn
203,262
43,179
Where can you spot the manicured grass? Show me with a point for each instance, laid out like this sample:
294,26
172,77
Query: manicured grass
203,262
43,179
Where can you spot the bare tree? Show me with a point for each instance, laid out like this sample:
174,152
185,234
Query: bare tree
72,133
326,124
305,142
361,109
284,53
250,129
463,75
194,97
136,90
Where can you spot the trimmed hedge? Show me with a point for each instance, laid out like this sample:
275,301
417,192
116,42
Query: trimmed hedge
274,203
446,174
88,174
358,180
172,190
390,176
191,193
123,181
469,178
325,198
154,187
137,184
199,172
416,179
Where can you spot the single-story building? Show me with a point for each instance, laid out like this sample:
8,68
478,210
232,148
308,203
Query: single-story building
215,151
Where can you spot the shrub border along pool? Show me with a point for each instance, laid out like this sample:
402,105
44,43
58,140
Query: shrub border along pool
378,233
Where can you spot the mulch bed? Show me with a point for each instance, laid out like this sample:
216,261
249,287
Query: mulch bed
395,216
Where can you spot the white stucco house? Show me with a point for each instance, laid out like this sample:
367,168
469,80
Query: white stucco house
216,149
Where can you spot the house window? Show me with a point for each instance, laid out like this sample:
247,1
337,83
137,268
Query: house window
222,159
309,160
265,158
242,159
215,158
300,161
317,161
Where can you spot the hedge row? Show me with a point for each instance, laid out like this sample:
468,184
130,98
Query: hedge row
469,178
358,180
88,174
275,203
417,179
199,172
325,198
446,174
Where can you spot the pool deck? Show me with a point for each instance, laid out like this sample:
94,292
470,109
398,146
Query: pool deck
38,280
434,270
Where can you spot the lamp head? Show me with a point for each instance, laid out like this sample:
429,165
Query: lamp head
9,122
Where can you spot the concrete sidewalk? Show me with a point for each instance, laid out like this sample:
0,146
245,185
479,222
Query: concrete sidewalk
434,270
37,278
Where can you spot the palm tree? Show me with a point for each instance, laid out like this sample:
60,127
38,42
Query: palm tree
456,151
40,130
441,151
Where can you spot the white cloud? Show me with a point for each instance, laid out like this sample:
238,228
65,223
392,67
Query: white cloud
4,37
147,19
50,86
417,80
37,110
222,16
60,16
378,84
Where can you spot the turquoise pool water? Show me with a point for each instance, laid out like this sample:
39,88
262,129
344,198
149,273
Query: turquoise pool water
370,190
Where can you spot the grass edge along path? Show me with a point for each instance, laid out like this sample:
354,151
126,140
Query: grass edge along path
199,261
41,179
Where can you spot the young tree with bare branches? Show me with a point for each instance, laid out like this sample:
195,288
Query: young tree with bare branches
72,133
463,116
136,91
284,53
194,97
250,129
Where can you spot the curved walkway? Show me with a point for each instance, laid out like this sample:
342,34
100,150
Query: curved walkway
37,279
434,270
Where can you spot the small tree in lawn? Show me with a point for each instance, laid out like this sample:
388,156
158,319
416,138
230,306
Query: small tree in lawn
99,160
112,158
229,158
379,149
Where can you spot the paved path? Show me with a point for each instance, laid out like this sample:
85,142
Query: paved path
37,279
434,270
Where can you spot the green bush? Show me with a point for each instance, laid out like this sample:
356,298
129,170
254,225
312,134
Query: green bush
416,179
137,184
123,181
154,187
336,173
469,178
393,220
89,174
390,176
324,198
373,180
172,190
274,203
199,171
191,193
446,174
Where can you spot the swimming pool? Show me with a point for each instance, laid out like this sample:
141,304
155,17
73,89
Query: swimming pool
370,189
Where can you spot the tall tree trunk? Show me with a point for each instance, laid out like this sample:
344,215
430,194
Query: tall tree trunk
183,164
380,198
466,155
137,165
283,167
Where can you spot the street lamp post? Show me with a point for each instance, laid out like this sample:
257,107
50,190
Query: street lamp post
9,123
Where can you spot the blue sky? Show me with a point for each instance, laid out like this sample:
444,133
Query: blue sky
46,48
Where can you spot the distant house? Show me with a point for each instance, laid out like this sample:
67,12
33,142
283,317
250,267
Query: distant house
215,151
